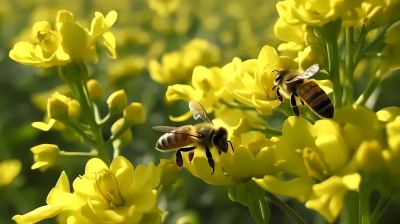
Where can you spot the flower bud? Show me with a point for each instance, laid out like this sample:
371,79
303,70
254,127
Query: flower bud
125,137
309,36
170,172
45,156
73,72
134,114
65,16
312,54
117,101
56,108
74,109
96,91
369,156
107,184
9,169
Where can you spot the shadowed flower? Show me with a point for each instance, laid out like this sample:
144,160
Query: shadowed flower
9,169
45,156
323,159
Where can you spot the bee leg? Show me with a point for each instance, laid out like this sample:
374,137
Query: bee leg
179,159
210,159
279,95
190,156
301,101
293,104
219,152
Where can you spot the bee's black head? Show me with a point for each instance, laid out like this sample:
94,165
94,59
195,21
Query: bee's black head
220,138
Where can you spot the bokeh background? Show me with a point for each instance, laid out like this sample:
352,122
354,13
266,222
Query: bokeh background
154,38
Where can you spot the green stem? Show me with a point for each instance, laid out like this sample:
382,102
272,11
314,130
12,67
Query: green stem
284,207
256,215
348,94
373,84
360,44
105,120
265,210
81,154
116,152
236,105
333,57
72,125
116,135
380,209
365,191
96,129
351,208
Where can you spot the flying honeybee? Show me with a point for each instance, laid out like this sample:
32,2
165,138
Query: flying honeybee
202,135
291,84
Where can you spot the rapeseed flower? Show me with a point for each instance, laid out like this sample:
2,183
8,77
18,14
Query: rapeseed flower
45,156
57,200
323,159
69,42
9,169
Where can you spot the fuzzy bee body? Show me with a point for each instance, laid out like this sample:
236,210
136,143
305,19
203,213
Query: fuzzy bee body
291,84
187,138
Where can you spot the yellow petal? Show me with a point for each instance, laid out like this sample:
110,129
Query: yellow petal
63,183
143,200
9,169
244,162
267,56
109,42
100,24
74,40
352,181
95,165
335,151
181,118
58,198
299,188
37,215
204,170
388,114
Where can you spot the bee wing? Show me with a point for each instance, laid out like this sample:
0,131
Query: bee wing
199,111
186,130
306,74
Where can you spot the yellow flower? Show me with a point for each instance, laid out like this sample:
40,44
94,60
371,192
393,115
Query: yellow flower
249,82
323,159
117,194
163,7
58,199
313,54
45,156
134,114
177,66
253,156
68,43
207,88
9,169
392,50
317,13
127,67
293,35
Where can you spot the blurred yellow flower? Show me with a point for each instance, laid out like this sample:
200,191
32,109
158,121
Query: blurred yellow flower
323,159
176,66
116,194
68,43
117,102
127,67
58,199
249,82
292,34
134,114
9,169
96,91
164,7
317,13
391,53
125,137
45,156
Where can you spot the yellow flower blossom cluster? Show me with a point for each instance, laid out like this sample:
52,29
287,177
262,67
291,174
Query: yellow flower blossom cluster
120,193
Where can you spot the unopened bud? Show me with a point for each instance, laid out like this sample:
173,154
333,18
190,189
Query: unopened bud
170,172
56,108
369,156
125,137
45,156
313,54
96,91
134,114
117,102
74,109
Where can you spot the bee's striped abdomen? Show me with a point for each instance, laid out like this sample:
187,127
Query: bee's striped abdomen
171,141
316,99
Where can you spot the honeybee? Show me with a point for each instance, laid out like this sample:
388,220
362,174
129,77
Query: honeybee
290,83
202,135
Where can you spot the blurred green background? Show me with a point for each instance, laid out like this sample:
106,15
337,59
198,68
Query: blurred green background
144,31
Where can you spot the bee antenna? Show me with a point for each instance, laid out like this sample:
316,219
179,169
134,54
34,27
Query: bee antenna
275,71
231,146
